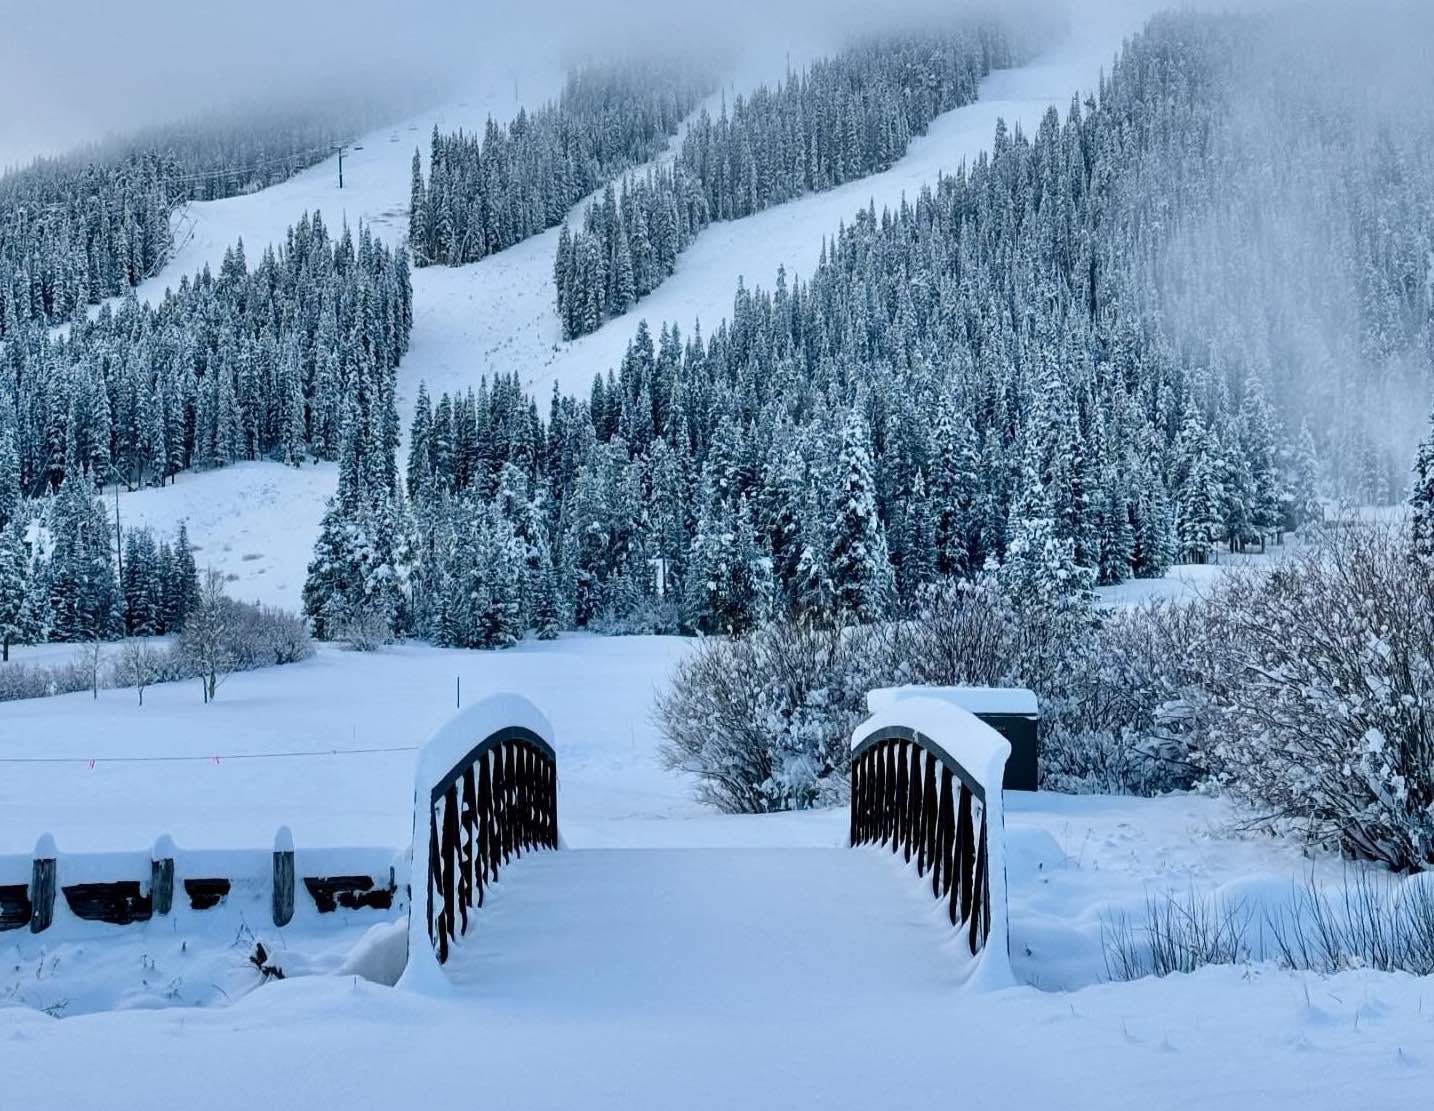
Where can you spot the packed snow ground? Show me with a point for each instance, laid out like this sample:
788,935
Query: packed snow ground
1223,1038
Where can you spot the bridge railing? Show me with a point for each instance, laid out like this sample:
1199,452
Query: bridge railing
486,792
926,781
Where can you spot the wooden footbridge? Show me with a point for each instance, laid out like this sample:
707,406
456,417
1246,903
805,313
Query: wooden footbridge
926,779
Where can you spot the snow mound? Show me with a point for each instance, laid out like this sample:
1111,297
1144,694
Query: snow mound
1015,701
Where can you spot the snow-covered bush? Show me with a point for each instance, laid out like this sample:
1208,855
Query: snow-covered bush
764,721
264,636
960,635
229,636
1118,698
361,628
284,636
24,680
1326,715
1134,703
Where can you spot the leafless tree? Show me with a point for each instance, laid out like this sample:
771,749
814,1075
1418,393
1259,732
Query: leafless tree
208,631
138,665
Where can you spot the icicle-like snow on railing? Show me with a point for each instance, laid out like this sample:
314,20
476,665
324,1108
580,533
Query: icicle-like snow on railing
926,780
486,792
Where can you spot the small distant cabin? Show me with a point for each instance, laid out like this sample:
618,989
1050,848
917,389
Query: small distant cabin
1011,711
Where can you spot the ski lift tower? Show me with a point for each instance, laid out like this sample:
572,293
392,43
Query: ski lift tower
342,149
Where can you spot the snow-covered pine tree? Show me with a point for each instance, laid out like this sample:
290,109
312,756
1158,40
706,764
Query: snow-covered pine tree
15,620
85,601
1421,498
861,572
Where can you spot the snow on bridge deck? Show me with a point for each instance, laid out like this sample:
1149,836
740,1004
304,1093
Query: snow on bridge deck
759,940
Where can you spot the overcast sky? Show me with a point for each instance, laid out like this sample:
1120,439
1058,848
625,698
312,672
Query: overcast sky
73,71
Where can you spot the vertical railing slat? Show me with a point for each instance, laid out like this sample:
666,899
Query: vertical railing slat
501,804
898,801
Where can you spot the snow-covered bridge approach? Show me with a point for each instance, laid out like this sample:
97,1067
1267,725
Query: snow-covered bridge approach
764,934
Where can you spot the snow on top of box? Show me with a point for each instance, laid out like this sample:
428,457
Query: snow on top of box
968,740
977,700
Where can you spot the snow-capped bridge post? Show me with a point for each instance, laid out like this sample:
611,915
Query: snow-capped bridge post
486,788
926,779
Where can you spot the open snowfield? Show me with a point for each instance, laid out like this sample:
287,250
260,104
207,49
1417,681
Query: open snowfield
668,956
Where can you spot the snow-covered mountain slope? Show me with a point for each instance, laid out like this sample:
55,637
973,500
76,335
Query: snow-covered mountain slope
498,315
376,175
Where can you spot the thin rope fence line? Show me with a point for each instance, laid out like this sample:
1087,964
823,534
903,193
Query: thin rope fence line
214,758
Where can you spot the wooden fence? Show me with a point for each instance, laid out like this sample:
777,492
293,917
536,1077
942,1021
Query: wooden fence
205,880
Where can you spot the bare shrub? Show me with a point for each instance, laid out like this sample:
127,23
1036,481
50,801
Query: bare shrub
1324,714
1373,921
764,721
1176,935
137,665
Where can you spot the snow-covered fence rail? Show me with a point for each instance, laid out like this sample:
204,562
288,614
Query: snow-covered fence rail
926,779
487,790
124,888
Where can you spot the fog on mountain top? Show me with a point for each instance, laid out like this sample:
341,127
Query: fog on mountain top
82,71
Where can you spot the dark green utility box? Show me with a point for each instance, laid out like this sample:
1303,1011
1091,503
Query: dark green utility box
1011,711
1022,769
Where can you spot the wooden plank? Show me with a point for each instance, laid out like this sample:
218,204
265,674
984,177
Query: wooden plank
15,909
349,892
206,893
118,903
283,887
42,894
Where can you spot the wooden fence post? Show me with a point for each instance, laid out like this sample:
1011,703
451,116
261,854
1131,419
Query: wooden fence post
283,876
42,884
161,875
